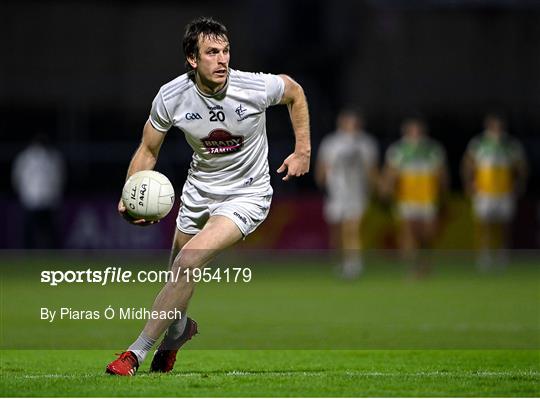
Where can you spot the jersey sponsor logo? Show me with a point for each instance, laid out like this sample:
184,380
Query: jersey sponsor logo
220,141
242,218
190,116
215,108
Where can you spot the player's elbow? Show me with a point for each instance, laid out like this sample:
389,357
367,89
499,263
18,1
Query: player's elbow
297,91
293,90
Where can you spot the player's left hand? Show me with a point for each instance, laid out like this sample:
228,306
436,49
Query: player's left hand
295,164
137,222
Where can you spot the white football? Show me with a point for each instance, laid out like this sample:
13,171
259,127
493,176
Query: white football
148,195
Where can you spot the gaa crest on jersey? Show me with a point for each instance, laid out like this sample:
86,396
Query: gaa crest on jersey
220,141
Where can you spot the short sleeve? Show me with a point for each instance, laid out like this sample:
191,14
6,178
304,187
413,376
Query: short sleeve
324,150
275,87
393,157
159,116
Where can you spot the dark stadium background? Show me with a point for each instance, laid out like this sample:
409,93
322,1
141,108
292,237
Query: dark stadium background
86,73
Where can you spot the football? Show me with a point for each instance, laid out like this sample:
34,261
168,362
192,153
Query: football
148,195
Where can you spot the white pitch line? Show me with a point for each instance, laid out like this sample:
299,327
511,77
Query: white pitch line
240,373
387,374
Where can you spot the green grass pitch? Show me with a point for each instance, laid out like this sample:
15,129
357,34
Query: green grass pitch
281,373
294,330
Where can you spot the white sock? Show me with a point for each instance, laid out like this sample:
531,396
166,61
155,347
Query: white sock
142,346
352,266
484,260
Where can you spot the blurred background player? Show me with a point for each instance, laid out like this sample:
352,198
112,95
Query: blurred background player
38,177
415,176
346,167
494,172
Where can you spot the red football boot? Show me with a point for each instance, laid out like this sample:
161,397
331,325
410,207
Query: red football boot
126,364
164,358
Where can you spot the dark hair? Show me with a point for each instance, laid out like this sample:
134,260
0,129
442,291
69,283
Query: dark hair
352,110
415,120
205,26
497,115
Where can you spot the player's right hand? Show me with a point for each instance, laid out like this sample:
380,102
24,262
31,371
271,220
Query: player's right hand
125,214
296,165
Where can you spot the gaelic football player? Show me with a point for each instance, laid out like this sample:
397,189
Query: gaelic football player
415,176
346,168
227,194
494,173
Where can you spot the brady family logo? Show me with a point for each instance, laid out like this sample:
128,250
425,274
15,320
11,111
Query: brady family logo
220,141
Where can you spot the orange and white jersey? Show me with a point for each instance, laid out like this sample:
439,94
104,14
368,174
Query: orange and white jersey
494,161
418,166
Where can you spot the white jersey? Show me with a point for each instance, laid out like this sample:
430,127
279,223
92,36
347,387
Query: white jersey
227,131
348,159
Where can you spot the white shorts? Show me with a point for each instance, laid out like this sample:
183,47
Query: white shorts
409,211
489,209
196,207
339,211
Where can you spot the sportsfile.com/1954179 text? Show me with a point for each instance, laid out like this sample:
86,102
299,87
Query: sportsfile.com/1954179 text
120,275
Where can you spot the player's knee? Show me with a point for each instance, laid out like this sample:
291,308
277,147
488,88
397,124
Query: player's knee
184,264
182,276
189,258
